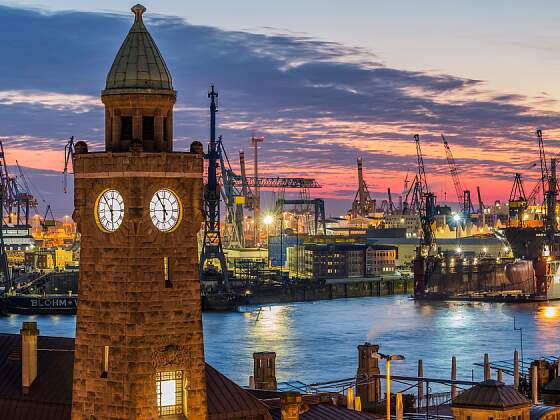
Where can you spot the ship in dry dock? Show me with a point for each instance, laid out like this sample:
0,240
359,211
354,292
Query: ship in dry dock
532,271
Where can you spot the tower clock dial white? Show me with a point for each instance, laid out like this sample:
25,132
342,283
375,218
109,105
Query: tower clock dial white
109,210
166,210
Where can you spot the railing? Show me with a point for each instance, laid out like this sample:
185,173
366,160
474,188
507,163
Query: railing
434,399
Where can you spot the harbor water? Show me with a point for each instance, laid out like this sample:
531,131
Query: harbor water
316,341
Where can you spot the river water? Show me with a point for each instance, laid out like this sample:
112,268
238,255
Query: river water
316,341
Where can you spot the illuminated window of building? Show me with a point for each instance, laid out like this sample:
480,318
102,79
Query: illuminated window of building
169,392
166,273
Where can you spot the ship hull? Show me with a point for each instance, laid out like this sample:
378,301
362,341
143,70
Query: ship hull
39,304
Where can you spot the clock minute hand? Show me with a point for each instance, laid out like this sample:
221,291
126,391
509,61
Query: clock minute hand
163,206
109,206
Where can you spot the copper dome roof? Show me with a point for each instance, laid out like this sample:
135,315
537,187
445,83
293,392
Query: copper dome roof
139,65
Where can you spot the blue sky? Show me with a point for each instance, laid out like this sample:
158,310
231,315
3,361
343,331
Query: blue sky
323,82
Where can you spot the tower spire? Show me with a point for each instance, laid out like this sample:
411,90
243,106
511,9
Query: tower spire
138,11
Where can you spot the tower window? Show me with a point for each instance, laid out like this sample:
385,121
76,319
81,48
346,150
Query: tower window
165,132
126,128
166,272
169,392
147,128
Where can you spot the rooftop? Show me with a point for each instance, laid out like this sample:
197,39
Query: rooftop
139,65
491,394
50,395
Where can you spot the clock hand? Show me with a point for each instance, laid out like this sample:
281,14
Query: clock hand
109,206
163,206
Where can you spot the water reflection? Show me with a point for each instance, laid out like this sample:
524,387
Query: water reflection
316,341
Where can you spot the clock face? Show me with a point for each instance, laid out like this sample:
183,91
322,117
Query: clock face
109,210
165,210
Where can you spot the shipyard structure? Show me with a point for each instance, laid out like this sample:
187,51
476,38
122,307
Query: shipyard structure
265,237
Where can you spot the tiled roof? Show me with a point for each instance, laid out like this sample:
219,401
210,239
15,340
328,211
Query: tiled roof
227,400
50,395
138,64
320,407
553,386
491,394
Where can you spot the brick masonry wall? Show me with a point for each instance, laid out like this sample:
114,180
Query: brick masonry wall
123,299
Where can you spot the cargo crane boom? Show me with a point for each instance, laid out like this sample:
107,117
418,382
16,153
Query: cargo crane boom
245,189
275,182
453,170
68,158
542,157
463,195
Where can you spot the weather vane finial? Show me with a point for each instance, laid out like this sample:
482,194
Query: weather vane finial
138,11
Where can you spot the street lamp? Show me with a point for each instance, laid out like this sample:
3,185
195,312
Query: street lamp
388,358
268,219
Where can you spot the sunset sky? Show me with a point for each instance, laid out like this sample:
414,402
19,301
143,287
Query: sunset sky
323,81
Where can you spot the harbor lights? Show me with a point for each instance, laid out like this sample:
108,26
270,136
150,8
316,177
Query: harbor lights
267,220
457,220
388,358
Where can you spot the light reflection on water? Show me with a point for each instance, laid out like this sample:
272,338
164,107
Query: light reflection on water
316,341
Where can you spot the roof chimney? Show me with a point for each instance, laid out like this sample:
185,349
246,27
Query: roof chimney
29,333
290,404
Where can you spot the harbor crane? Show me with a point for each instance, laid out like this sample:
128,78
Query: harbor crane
463,195
517,200
423,263
427,202
212,248
233,225
256,190
68,158
362,204
541,185
481,207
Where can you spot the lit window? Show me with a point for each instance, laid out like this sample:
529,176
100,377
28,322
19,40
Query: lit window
105,372
169,391
166,275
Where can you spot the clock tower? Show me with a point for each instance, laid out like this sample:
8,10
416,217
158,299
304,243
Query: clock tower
138,205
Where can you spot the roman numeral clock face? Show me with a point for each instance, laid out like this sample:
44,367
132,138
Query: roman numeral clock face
166,210
109,210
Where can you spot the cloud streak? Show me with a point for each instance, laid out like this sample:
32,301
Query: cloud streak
319,104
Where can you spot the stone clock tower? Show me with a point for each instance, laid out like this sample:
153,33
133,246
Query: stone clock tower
138,206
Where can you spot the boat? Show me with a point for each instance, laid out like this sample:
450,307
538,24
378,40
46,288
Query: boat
40,304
